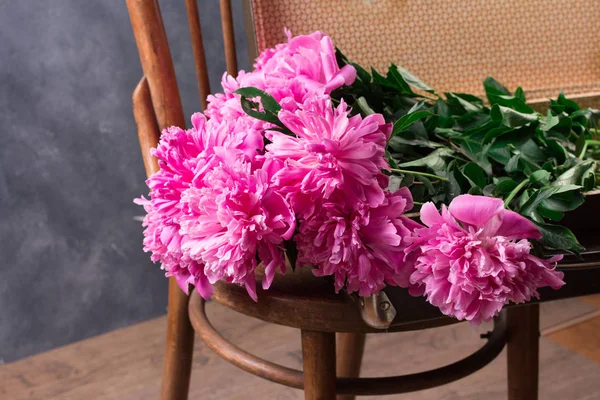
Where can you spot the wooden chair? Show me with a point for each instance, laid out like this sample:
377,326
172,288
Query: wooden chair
302,301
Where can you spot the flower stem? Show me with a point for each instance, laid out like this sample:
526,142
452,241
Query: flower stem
585,146
514,192
425,174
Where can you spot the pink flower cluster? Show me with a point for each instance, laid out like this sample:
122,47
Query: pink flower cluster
474,258
223,201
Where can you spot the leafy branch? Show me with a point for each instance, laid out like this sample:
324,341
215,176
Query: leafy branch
540,165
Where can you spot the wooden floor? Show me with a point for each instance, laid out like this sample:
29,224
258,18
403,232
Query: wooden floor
127,364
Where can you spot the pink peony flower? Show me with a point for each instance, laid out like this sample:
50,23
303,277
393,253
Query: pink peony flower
232,218
331,151
181,154
177,154
474,258
291,72
309,58
362,247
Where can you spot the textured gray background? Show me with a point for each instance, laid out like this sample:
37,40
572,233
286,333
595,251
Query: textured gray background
72,265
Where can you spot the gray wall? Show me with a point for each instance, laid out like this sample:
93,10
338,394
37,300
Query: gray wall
72,263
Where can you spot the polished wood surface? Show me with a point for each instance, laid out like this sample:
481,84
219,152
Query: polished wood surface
156,61
301,300
238,357
350,348
318,360
159,74
523,352
126,364
148,132
496,340
198,48
228,37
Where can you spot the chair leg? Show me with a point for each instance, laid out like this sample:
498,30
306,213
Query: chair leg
180,346
318,355
349,353
523,351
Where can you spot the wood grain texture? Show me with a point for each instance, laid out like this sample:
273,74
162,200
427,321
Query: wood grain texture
301,300
156,61
523,352
350,348
198,48
318,356
228,37
593,300
583,338
126,364
145,119
155,57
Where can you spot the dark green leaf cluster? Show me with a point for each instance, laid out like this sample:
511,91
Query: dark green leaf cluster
443,146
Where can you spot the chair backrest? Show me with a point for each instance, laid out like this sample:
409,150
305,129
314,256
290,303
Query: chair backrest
545,46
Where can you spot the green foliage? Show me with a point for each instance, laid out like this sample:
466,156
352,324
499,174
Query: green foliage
441,147
250,97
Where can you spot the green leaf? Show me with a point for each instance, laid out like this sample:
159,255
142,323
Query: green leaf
513,164
580,174
397,79
475,174
435,160
540,177
395,183
570,105
556,150
414,81
268,102
464,104
505,187
494,87
457,183
542,194
270,106
362,74
549,122
489,190
549,213
564,202
406,121
559,237
252,109
496,132
398,140
520,94
364,106
445,119
514,102
425,181
391,160
510,117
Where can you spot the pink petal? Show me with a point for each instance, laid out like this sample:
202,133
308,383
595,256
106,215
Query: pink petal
430,215
182,280
475,210
515,226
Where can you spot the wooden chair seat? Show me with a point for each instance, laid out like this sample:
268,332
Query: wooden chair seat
303,301
300,300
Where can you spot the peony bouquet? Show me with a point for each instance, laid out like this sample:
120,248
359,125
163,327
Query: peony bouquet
312,159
